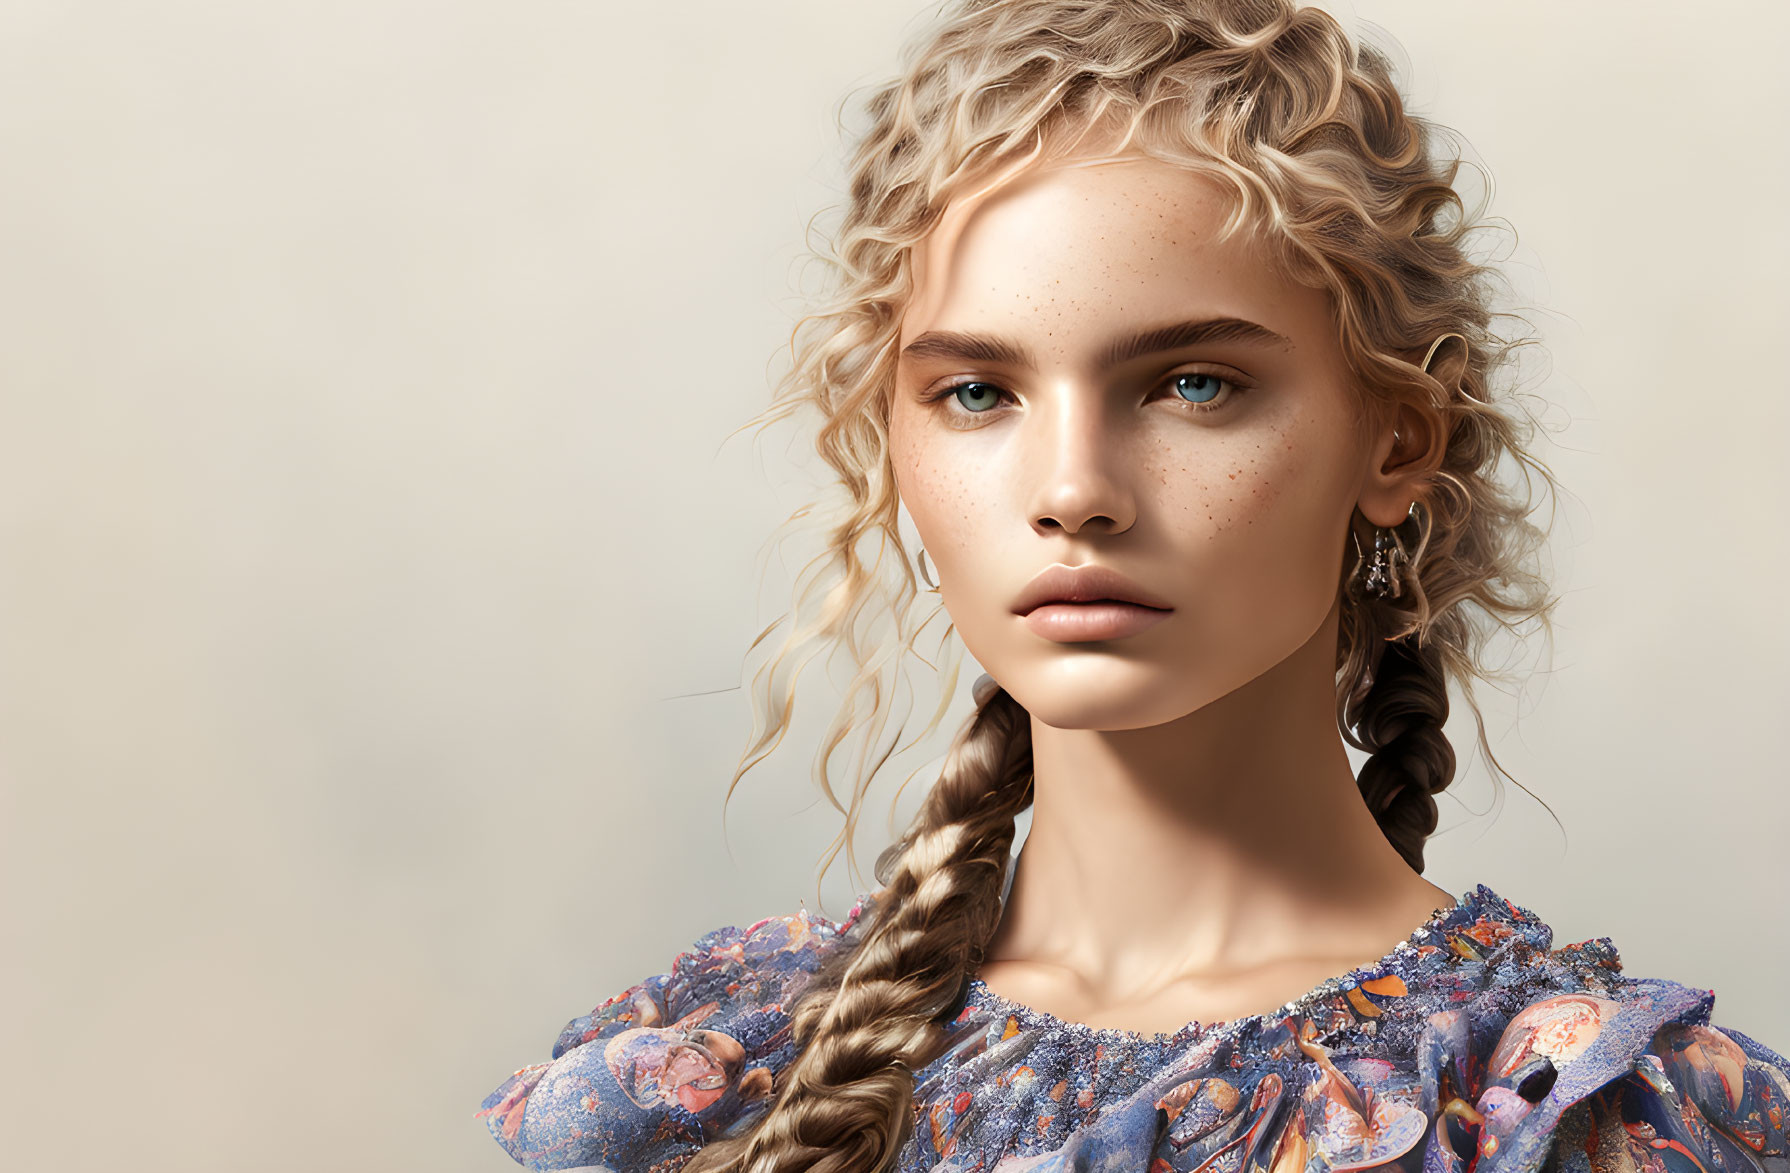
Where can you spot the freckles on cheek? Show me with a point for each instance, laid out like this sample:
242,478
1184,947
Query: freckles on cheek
1269,469
1232,487
939,492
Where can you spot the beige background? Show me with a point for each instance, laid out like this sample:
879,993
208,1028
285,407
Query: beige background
366,368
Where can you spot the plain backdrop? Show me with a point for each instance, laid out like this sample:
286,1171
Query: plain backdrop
376,572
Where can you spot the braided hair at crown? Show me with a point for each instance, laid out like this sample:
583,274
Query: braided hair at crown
844,1104
1398,719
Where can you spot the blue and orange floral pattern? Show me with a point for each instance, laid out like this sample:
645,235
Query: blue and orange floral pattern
1475,1046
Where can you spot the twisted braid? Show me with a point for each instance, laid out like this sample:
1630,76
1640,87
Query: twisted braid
1398,719
844,1104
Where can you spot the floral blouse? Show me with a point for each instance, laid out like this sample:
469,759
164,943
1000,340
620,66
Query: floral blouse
1473,1047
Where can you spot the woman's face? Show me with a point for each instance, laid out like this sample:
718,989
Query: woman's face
1088,376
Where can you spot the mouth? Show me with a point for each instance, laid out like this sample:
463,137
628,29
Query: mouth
1088,585
1079,604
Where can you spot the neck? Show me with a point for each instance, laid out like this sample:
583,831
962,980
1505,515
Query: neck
1234,836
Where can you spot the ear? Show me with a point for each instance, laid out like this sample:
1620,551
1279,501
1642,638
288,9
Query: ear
1406,448
1407,441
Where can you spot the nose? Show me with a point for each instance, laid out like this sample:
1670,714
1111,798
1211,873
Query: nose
1079,463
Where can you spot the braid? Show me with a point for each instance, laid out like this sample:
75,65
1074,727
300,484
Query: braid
845,1103
1398,719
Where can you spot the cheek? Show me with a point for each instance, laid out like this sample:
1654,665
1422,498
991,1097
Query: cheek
938,484
1229,486
1262,513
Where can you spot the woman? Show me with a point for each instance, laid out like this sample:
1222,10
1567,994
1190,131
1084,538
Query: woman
1157,317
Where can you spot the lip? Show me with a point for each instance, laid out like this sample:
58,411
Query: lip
1071,623
1085,584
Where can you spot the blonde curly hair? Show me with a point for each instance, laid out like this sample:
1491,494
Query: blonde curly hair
1306,131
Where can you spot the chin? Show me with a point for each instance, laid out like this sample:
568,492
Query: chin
1109,697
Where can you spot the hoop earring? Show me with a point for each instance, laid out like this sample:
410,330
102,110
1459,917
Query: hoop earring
1392,562
924,576
1437,345
1468,350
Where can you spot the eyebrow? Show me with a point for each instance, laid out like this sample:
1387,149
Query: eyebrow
990,348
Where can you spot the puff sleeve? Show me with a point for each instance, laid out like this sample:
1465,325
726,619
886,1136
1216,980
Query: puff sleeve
644,1079
1625,1076
1698,1099
1536,1061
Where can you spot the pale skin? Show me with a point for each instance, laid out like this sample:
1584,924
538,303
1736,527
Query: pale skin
1199,850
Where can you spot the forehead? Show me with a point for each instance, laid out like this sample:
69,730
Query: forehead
1064,250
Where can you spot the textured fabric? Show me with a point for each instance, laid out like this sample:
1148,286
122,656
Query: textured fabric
1474,1046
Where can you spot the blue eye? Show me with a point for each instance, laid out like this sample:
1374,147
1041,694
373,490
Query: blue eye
989,390
1198,387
